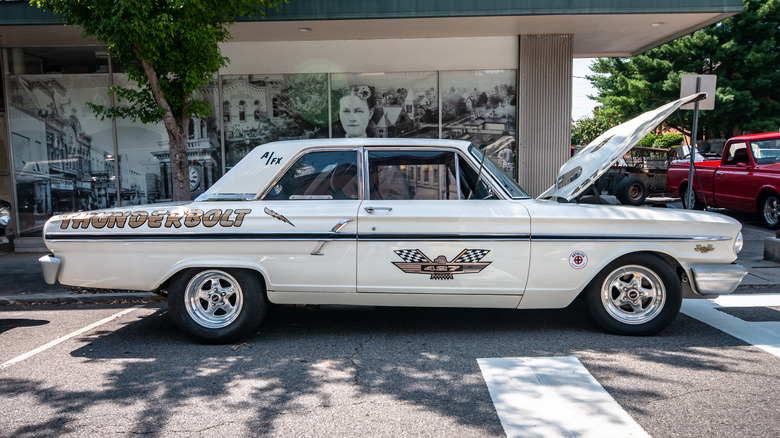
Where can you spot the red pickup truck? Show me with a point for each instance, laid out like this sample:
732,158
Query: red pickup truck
746,178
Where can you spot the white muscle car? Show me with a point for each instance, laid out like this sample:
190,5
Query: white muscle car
401,222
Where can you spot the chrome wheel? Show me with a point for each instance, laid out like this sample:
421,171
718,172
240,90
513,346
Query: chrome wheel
633,294
770,212
213,299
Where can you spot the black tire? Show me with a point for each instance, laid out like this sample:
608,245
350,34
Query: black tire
635,295
769,210
217,306
697,203
631,191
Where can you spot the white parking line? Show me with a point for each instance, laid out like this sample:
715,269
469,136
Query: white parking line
40,349
764,335
553,397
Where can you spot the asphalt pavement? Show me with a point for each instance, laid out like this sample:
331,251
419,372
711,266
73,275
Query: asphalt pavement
22,280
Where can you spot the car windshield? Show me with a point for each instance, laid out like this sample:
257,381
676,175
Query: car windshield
511,187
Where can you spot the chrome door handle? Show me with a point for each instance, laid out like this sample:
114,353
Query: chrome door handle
372,209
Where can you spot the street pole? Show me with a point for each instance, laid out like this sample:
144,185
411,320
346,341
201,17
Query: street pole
689,196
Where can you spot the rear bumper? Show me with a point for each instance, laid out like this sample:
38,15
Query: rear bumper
717,279
51,268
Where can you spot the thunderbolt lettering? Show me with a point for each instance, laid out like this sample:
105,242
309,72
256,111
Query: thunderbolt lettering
228,218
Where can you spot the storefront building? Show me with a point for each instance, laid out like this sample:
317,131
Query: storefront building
496,73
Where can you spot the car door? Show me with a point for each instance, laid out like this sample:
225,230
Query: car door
735,186
310,216
425,229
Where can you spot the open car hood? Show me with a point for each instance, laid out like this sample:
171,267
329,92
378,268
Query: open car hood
585,167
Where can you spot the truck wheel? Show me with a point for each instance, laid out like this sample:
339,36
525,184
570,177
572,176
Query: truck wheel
638,294
769,210
697,204
216,306
631,191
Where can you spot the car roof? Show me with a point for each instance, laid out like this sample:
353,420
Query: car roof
256,169
761,136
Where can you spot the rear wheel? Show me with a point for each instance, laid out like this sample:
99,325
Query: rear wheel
697,204
631,191
769,209
217,305
638,294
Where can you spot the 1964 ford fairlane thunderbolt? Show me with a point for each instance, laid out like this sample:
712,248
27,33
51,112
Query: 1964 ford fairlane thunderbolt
401,222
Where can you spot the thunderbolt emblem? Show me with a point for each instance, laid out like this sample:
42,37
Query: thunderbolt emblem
276,215
467,262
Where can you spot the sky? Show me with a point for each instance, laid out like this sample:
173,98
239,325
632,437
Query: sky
581,88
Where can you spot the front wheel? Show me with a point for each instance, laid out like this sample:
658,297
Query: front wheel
769,209
217,306
636,295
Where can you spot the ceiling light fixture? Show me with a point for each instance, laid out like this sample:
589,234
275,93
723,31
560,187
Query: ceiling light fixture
304,29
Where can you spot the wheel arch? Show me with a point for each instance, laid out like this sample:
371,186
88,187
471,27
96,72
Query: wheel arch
764,192
190,267
668,258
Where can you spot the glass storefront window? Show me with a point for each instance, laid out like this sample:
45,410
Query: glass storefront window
65,159
144,157
480,107
385,105
284,107
60,150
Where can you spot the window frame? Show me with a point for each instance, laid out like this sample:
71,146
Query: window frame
362,161
458,157
279,175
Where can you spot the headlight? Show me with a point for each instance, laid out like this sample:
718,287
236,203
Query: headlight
5,216
738,243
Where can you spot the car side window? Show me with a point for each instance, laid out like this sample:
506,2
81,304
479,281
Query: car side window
319,175
419,175
738,153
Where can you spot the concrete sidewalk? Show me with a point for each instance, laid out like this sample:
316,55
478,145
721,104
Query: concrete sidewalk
22,280
22,283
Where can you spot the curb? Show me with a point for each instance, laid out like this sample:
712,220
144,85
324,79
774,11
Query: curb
78,298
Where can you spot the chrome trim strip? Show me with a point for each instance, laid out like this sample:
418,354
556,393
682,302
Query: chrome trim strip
605,238
334,235
336,228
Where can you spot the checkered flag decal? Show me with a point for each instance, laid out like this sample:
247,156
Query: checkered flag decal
470,255
412,256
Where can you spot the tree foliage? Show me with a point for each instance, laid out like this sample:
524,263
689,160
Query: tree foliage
586,129
170,49
743,51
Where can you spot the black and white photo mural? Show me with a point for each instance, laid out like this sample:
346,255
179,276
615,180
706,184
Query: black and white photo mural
258,109
480,107
63,156
385,105
66,159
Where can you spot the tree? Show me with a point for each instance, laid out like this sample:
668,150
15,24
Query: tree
586,129
170,49
743,51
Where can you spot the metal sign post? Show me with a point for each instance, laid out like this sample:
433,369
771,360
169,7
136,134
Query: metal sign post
692,84
689,200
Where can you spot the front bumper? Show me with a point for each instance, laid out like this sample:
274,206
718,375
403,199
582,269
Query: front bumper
51,268
717,279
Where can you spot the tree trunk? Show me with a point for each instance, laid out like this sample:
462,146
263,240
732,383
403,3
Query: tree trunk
177,136
180,181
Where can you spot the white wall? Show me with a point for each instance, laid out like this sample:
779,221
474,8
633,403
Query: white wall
366,56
